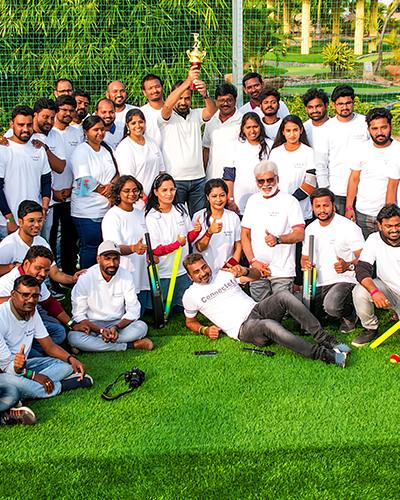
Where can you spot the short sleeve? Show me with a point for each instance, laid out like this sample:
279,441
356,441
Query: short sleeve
368,253
295,213
189,304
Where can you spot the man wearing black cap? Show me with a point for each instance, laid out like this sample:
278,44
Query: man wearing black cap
104,300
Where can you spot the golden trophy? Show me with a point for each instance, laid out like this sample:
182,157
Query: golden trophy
196,56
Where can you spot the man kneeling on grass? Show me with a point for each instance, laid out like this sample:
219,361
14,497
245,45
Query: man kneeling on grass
20,323
220,299
105,305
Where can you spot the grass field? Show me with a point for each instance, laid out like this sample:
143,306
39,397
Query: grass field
236,425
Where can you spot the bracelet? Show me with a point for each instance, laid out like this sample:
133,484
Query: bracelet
349,209
246,273
376,290
207,234
29,374
202,330
252,260
70,356
71,323
10,219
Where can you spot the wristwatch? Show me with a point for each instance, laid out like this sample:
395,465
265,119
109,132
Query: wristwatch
351,266
278,240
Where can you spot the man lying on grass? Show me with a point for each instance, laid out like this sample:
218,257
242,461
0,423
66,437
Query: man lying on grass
220,299
20,323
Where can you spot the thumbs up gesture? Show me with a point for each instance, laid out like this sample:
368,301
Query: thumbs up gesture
140,247
197,225
19,360
340,265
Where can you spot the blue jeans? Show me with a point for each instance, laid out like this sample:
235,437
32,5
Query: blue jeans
55,330
90,237
53,368
182,284
192,193
9,394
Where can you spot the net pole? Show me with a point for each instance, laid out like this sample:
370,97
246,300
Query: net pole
237,48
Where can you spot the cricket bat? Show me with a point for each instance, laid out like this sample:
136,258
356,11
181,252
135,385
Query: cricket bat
155,287
310,277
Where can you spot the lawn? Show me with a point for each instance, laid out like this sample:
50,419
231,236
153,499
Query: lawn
237,425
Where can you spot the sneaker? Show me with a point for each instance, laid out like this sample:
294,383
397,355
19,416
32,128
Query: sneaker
70,383
145,343
332,342
340,359
22,415
348,325
365,337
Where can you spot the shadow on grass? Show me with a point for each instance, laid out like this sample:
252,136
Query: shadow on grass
368,472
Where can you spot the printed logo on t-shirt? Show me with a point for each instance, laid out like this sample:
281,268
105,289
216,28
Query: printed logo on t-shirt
35,157
221,290
29,333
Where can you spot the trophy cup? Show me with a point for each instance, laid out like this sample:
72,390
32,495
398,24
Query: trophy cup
196,56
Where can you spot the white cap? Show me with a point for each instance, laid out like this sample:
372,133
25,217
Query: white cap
108,247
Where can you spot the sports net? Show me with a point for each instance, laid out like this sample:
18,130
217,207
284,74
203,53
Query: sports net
294,43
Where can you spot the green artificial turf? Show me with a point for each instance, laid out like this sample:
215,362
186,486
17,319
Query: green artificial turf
237,425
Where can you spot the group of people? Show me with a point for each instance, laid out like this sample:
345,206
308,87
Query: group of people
238,191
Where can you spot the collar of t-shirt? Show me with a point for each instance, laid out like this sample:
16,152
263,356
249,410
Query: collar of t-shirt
112,129
388,242
253,104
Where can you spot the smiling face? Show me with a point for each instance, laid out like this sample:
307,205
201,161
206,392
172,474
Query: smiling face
267,183
199,272
184,102
109,264
96,133
65,114
251,130
253,88
269,105
316,109
129,193
136,127
226,104
153,90
44,120
106,111
165,193
344,106
117,93
39,268
31,224
323,209
390,229
25,299
217,198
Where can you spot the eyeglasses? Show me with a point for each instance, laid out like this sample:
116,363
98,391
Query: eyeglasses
26,295
268,180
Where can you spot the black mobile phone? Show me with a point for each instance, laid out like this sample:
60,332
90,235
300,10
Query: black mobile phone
205,353
259,351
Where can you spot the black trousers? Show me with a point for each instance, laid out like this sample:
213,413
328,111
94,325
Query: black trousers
69,237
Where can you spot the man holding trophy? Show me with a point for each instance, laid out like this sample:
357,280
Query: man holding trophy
180,128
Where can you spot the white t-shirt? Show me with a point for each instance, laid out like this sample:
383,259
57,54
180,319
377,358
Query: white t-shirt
87,162
292,168
221,245
143,162
22,174
283,110
277,215
375,165
96,299
217,136
341,238
315,135
114,136
13,248
340,139
127,228
181,145
7,285
244,157
71,137
152,127
14,333
164,228
222,301
272,130
120,116
387,260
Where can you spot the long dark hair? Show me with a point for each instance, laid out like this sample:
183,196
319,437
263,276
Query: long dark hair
117,187
264,149
132,112
210,185
280,138
89,123
152,201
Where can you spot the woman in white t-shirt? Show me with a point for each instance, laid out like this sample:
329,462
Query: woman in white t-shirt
295,159
219,239
125,225
251,147
169,226
138,155
95,171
